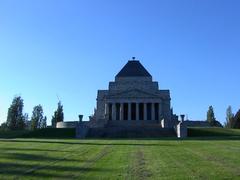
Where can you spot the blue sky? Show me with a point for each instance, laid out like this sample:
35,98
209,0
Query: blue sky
70,49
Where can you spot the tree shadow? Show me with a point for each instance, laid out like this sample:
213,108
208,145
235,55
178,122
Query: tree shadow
54,171
32,149
128,142
34,157
88,142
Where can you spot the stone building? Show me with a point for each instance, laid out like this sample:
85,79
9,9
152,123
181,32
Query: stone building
132,106
134,96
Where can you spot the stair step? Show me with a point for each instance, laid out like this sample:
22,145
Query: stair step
131,132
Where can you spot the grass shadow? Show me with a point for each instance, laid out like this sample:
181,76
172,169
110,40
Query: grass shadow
32,157
24,170
31,149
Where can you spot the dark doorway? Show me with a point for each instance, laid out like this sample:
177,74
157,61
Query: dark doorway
149,112
117,111
125,111
110,111
133,113
156,107
141,111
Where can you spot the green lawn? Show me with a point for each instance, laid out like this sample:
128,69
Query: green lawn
119,159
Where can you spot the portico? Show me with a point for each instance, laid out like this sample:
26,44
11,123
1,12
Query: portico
133,111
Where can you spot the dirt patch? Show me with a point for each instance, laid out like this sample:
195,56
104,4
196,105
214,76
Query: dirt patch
99,156
90,162
139,170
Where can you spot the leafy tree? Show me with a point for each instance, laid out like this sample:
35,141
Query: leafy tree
229,118
44,122
4,126
210,116
38,120
15,118
27,121
58,115
237,120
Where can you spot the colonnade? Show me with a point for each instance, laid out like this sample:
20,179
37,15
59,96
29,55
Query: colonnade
133,111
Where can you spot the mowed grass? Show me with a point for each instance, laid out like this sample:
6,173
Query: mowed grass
119,159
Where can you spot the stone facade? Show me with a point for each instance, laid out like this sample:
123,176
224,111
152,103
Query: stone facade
134,96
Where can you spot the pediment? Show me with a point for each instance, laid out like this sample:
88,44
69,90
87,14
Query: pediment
135,93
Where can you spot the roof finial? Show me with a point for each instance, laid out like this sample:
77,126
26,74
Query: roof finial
133,58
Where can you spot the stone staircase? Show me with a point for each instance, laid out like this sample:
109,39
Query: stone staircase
117,129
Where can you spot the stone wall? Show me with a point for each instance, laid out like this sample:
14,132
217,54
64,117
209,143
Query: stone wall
126,83
82,130
190,123
100,111
70,124
166,112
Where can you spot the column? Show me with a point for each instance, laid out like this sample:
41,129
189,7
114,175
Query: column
160,111
153,112
121,111
137,111
129,112
113,111
145,111
107,111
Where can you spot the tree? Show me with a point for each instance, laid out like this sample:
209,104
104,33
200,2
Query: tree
4,126
210,116
27,121
44,122
15,118
38,120
58,115
237,120
229,118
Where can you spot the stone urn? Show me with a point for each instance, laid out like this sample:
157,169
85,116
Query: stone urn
80,118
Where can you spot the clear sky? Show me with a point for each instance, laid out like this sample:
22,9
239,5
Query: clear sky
70,49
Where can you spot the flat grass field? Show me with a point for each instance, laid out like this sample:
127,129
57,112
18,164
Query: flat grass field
214,158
